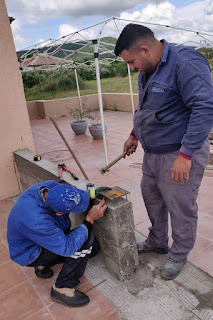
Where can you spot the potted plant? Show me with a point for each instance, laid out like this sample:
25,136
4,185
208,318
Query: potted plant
95,128
79,125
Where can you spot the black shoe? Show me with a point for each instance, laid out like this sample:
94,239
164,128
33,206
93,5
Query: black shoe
145,247
69,297
43,272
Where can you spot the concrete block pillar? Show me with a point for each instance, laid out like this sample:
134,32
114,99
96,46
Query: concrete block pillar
115,232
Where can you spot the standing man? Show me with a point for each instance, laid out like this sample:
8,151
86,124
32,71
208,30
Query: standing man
39,235
172,123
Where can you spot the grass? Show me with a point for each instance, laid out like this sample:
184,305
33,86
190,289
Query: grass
112,85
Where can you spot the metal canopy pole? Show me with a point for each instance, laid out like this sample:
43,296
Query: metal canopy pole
79,96
130,86
96,54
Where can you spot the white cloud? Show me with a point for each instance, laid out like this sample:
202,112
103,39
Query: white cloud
34,11
197,17
19,40
67,29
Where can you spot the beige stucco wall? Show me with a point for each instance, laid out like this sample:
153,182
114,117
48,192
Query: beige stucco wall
15,128
119,101
58,107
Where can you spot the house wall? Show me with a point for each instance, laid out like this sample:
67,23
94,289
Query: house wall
15,128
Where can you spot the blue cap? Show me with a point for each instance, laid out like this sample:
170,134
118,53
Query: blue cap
65,199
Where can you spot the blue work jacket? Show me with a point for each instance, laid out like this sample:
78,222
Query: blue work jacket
32,225
175,102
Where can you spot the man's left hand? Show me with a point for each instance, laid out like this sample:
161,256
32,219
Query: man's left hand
180,169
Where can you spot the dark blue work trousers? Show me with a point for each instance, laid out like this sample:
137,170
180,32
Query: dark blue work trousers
73,267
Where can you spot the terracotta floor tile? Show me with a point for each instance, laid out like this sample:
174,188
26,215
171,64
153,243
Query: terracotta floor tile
143,227
4,254
5,206
205,226
19,303
205,195
97,309
3,230
114,316
200,245
28,271
10,275
84,285
43,286
204,260
42,314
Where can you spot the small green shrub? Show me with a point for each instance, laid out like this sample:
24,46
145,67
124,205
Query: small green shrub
121,68
50,87
107,71
32,78
87,72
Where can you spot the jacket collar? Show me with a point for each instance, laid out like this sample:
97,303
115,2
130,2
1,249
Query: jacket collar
165,50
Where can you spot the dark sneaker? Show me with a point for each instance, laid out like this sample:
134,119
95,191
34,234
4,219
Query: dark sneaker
172,269
69,297
145,247
43,272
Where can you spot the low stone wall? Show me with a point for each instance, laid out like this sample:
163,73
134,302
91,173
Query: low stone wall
115,231
41,109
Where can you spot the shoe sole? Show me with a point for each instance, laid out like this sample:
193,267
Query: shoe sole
44,276
169,278
69,305
156,250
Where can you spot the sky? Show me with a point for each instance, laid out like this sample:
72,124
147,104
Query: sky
39,20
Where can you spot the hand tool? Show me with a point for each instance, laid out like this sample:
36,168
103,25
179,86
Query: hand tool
37,158
68,147
103,170
62,167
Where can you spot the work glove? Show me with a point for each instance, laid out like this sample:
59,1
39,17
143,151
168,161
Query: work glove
95,191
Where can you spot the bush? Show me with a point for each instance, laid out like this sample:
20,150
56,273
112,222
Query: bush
50,87
121,68
32,78
107,71
87,72
65,82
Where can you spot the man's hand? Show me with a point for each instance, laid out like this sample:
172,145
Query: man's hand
132,143
95,191
96,212
180,169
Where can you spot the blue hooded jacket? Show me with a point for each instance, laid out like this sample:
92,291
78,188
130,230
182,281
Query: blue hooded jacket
32,225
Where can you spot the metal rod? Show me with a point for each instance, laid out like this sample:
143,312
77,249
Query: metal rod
79,95
70,150
100,97
130,86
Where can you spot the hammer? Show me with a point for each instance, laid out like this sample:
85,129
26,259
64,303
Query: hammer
103,170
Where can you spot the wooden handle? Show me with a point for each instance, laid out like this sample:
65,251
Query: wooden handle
70,150
114,161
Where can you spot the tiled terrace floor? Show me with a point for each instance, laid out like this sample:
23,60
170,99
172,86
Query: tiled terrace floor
22,295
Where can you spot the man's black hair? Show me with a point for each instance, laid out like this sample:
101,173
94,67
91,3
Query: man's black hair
131,34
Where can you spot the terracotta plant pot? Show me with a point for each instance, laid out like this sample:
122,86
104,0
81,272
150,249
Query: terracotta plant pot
96,130
79,127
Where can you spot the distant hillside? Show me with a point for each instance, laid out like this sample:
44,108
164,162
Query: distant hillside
78,57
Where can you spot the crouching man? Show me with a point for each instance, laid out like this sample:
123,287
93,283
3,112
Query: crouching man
39,236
